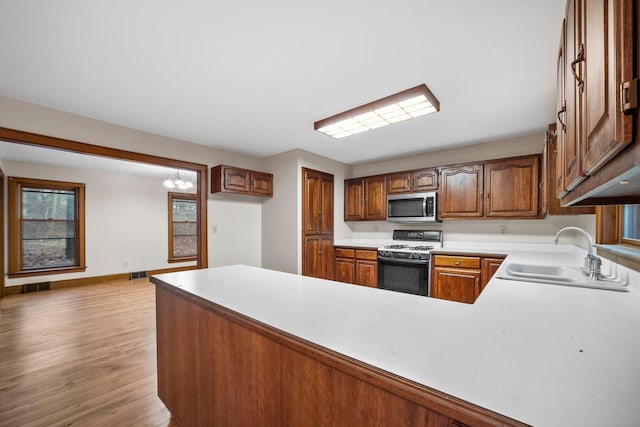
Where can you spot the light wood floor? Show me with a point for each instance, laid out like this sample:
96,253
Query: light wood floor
80,356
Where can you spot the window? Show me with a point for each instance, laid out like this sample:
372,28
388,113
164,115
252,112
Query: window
183,227
630,224
46,227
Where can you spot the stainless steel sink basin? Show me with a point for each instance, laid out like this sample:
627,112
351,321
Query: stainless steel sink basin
558,275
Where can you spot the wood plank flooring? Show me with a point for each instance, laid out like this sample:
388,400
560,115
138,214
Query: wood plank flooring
83,356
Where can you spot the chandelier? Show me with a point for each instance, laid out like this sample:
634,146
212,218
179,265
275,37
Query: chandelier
177,182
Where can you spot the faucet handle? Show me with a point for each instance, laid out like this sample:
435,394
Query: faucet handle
592,264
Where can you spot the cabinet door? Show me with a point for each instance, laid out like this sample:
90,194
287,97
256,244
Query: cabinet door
399,183
346,270
543,186
511,188
574,57
557,185
236,179
354,199
367,273
326,204
318,257
312,223
375,196
262,183
424,180
607,30
553,202
489,268
455,284
461,192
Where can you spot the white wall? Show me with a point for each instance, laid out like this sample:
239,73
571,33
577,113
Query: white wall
126,220
512,147
282,215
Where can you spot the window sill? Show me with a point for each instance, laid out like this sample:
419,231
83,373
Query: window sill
627,255
42,272
174,260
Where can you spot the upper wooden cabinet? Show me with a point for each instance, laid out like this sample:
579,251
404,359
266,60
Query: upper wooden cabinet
365,199
317,202
424,180
511,187
399,182
505,188
550,203
230,179
412,181
605,41
461,191
598,55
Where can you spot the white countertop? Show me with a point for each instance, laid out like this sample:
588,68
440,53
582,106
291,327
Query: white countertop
545,355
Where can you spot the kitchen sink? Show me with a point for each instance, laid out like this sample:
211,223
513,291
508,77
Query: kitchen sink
559,275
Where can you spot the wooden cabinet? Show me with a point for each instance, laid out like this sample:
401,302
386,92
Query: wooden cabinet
504,188
357,266
399,183
511,187
318,256
548,196
461,191
600,45
424,180
462,278
365,199
317,202
230,179
489,267
412,181
317,224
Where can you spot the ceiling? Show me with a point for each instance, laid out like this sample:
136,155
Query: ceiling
252,76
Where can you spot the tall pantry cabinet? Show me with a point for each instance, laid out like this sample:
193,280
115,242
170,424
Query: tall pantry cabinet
317,224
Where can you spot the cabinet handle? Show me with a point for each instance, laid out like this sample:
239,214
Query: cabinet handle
579,59
457,262
488,195
481,195
563,110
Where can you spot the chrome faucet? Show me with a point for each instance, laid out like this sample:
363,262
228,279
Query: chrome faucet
592,262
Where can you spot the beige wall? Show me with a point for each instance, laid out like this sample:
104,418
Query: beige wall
512,147
238,220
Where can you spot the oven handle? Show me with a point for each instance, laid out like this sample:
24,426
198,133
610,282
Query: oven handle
403,261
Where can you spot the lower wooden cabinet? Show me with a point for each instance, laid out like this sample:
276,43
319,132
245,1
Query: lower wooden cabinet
356,266
318,257
461,278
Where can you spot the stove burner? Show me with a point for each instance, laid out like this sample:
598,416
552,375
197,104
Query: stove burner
421,248
396,246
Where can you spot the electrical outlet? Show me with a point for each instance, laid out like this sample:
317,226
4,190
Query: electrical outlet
125,265
214,229
504,229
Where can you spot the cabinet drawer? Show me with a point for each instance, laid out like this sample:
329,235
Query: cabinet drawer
345,253
456,261
363,254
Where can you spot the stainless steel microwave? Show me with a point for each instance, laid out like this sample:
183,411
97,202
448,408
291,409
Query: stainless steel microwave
412,207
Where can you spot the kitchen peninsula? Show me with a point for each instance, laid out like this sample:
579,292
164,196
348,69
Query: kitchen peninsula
247,346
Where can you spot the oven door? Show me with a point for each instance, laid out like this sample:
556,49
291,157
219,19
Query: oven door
404,275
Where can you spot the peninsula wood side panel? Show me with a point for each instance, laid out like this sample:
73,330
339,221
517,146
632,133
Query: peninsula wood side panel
217,367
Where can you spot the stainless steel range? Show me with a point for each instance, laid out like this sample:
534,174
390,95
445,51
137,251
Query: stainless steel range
404,266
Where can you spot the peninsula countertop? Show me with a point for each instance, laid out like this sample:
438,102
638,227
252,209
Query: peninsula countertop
545,355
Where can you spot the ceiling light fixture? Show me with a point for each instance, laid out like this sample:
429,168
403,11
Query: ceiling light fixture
177,182
408,104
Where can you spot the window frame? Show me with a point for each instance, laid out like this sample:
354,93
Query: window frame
16,184
171,196
623,240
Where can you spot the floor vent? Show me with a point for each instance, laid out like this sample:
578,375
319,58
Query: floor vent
35,287
137,275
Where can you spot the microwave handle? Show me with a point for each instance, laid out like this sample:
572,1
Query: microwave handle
424,207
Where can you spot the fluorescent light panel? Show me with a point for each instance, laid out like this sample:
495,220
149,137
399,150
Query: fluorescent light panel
408,104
